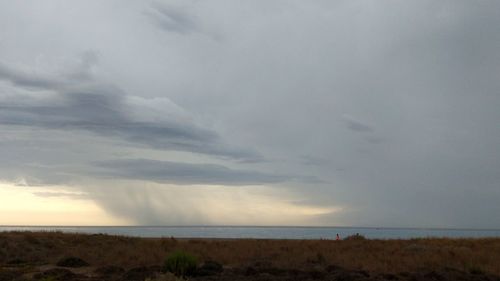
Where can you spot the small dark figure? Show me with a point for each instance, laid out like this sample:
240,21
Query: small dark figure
338,237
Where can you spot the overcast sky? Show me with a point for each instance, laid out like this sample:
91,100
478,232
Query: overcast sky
361,113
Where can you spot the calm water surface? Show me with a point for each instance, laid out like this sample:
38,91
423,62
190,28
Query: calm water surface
264,232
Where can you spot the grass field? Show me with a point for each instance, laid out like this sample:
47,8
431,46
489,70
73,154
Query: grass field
480,256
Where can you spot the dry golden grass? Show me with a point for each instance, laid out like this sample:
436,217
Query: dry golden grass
390,256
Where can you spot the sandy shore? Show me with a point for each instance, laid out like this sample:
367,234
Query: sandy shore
56,256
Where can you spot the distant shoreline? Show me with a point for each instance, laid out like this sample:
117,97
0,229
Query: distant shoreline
263,232
254,226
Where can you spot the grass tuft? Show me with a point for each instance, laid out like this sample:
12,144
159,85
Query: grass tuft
181,264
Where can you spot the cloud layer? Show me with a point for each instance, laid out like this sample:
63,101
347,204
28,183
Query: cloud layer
104,109
352,112
182,173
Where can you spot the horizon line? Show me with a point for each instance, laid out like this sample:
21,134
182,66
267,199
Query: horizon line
255,226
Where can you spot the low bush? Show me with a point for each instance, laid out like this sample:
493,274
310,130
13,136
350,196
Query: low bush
356,236
209,268
72,262
475,270
181,264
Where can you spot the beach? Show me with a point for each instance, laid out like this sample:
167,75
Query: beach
64,256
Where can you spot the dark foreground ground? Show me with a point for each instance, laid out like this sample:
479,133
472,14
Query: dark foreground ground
54,256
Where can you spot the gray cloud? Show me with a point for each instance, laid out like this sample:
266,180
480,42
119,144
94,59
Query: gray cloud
182,173
356,125
105,109
172,19
314,161
24,172
31,81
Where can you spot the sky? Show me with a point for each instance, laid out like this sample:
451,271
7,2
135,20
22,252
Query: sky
311,113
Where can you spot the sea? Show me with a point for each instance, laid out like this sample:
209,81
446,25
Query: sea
264,232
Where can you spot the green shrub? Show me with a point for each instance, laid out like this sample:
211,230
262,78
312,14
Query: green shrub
181,264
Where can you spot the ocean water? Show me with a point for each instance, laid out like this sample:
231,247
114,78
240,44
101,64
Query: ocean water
264,232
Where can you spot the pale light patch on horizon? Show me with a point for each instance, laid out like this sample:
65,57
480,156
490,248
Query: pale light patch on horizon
168,204
20,206
260,206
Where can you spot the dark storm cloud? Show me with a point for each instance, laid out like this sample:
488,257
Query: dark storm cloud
182,173
172,19
104,109
356,125
39,164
